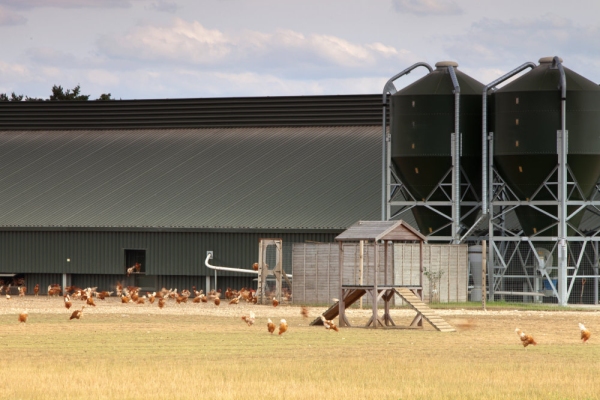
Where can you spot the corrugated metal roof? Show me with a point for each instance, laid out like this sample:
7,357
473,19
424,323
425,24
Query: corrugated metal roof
238,178
343,110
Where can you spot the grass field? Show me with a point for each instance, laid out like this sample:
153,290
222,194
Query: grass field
184,354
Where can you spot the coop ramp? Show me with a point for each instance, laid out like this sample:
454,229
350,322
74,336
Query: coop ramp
427,313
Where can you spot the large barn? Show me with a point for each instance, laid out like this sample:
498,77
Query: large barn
90,188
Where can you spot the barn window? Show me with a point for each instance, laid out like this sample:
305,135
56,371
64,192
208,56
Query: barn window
135,261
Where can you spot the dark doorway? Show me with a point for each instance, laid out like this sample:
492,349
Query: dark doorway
133,258
137,258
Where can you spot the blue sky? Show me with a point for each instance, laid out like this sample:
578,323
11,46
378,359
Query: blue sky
148,49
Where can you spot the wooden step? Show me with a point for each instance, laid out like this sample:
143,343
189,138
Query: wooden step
428,314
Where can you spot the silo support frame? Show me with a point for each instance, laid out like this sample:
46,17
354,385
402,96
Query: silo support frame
445,187
505,245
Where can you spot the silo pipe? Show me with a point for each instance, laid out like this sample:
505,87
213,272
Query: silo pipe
562,188
390,88
456,160
484,134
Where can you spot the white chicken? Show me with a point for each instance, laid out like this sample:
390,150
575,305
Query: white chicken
249,319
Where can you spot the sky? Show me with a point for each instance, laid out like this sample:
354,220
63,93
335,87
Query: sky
157,49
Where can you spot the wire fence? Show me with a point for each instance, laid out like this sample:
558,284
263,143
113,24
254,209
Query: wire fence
526,274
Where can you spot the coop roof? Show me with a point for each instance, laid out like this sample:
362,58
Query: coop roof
337,110
398,231
292,178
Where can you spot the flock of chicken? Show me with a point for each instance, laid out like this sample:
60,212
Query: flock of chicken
131,294
527,339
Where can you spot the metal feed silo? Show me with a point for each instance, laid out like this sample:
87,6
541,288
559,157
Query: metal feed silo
424,116
527,118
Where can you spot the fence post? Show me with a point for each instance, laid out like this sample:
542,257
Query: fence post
483,272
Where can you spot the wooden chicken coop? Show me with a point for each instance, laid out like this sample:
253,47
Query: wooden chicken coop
381,235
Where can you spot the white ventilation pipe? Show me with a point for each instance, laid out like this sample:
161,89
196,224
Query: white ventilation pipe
217,268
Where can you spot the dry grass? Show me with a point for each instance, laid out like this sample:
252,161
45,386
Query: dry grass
129,352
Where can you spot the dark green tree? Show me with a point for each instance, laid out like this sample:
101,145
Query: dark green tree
13,97
58,93
104,97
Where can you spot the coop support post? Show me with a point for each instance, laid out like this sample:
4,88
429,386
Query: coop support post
341,305
361,258
375,292
385,262
421,267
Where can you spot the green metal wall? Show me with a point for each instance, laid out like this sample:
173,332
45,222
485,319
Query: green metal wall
167,253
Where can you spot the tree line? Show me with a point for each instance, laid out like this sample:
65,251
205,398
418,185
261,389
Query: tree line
58,93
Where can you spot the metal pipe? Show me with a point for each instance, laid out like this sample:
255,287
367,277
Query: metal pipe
595,266
390,88
246,271
484,138
456,160
562,187
490,254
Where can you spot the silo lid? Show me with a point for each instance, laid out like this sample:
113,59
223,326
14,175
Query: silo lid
446,64
545,60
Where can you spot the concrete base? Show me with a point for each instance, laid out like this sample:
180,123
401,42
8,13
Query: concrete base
476,294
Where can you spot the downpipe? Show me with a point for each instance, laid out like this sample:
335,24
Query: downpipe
391,89
456,147
562,160
484,133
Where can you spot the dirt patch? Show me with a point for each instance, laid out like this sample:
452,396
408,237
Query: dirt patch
462,319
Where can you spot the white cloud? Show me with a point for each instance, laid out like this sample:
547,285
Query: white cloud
493,44
67,3
12,77
164,6
182,42
102,78
192,83
428,7
49,56
8,18
280,53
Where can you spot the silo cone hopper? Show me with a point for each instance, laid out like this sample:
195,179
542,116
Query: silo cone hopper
422,122
527,118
